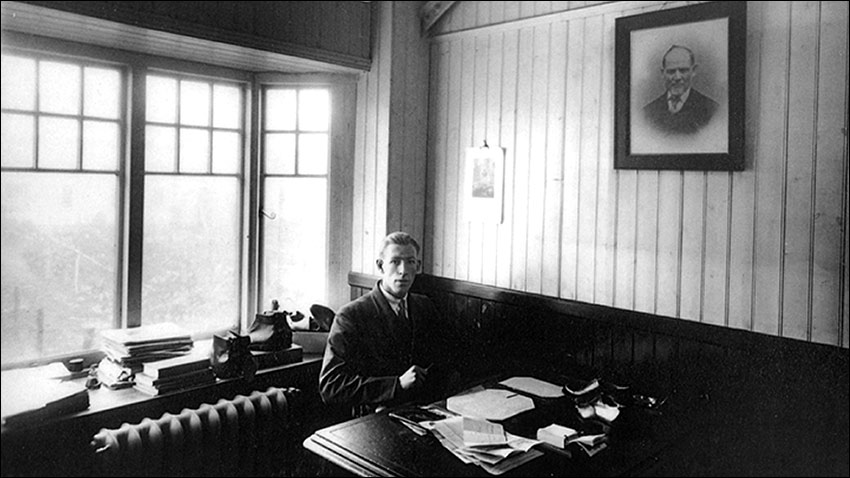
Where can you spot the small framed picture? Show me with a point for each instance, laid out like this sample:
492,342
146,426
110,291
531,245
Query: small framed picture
484,183
679,86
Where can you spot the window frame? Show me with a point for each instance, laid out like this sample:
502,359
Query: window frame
342,89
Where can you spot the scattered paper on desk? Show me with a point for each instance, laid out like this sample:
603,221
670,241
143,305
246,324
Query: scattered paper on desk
495,458
482,432
593,385
489,404
535,387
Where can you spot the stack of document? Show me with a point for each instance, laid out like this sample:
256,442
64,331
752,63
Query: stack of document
483,443
130,348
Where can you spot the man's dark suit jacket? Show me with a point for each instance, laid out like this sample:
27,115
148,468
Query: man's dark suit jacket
695,113
369,347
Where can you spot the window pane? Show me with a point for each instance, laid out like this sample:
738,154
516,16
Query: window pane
161,99
59,88
191,251
17,88
313,154
294,243
100,145
58,142
194,150
227,106
226,157
194,103
102,93
18,140
313,110
59,239
280,153
280,109
160,148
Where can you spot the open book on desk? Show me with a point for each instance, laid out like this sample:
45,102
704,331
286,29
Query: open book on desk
29,397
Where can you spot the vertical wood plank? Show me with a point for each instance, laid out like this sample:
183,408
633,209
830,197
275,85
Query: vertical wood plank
483,13
624,272
551,251
382,158
537,159
523,148
453,159
603,292
669,240
510,78
467,95
716,246
693,210
479,134
590,120
497,11
829,318
802,83
437,155
495,75
743,188
770,168
511,11
571,160
646,244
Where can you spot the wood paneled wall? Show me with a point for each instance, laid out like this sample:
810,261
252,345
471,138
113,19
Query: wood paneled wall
390,150
764,249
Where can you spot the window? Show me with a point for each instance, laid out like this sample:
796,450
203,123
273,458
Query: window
62,124
192,228
127,195
295,188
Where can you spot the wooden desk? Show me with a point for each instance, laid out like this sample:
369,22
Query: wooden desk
376,445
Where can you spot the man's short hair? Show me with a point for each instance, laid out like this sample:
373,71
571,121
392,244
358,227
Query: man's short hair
400,238
680,47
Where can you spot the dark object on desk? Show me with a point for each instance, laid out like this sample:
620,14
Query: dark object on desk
270,330
273,358
231,356
323,317
75,365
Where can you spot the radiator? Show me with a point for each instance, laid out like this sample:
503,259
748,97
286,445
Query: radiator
246,436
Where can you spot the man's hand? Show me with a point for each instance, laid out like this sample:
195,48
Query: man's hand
413,377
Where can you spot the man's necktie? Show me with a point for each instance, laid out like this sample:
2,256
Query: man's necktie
402,310
675,104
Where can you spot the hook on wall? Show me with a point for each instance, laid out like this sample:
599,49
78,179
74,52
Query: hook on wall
269,215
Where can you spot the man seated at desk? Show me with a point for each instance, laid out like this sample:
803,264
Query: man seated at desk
388,346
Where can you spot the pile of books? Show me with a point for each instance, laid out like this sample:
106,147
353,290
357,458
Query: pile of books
164,376
127,350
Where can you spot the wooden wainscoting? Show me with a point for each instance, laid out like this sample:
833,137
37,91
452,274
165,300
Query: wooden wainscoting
789,398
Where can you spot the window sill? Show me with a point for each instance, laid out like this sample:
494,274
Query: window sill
110,408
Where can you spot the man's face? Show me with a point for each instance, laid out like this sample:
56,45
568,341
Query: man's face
398,266
678,71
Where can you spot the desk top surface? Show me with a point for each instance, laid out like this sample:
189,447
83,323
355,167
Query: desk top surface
376,445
